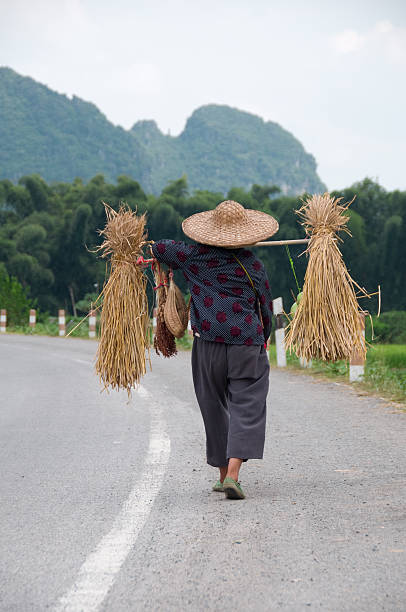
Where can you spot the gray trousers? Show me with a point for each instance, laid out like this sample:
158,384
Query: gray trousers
231,384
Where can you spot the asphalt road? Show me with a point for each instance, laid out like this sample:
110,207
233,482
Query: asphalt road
107,505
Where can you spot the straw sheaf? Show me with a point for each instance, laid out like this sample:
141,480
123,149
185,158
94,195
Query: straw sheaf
121,355
230,224
164,340
327,323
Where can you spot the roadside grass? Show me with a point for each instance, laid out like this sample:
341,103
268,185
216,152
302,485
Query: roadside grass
49,327
385,370
185,343
392,355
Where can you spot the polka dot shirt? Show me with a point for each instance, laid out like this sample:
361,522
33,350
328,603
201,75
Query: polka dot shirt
224,306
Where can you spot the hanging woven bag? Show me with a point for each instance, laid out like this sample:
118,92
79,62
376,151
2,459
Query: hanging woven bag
176,312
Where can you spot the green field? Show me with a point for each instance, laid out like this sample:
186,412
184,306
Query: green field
386,370
391,355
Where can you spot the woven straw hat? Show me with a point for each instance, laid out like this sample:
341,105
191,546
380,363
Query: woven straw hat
230,225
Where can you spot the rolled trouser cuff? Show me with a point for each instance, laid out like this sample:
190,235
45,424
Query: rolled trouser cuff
214,462
245,449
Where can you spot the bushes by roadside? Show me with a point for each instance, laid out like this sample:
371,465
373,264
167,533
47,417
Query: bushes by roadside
13,297
389,328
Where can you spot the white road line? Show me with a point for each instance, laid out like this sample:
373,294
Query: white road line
100,569
142,392
82,361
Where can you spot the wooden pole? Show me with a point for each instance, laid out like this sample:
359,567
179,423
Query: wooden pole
282,242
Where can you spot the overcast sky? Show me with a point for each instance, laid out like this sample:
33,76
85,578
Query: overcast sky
332,73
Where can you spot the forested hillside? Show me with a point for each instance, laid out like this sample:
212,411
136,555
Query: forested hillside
47,233
222,146
44,132
60,139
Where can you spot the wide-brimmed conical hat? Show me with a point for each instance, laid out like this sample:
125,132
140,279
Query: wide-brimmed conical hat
230,225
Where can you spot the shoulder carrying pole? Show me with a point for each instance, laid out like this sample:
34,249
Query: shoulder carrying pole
282,242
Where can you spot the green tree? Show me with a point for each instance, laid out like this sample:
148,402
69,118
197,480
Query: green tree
47,233
13,297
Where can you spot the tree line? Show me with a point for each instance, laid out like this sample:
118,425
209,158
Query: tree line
48,233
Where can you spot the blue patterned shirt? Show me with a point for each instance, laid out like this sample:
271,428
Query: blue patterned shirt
224,304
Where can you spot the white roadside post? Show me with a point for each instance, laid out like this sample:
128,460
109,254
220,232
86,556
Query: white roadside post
154,316
33,318
92,324
61,322
357,361
305,363
189,329
3,320
279,332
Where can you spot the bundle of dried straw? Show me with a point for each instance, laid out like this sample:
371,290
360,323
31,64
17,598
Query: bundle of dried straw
122,351
327,323
164,340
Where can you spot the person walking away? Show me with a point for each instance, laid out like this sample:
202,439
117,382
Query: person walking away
231,309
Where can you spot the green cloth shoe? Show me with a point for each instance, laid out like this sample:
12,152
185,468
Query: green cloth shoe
218,486
232,489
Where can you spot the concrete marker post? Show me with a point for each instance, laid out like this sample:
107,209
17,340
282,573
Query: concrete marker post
154,317
279,332
3,320
92,324
357,361
305,363
153,328
33,318
61,322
